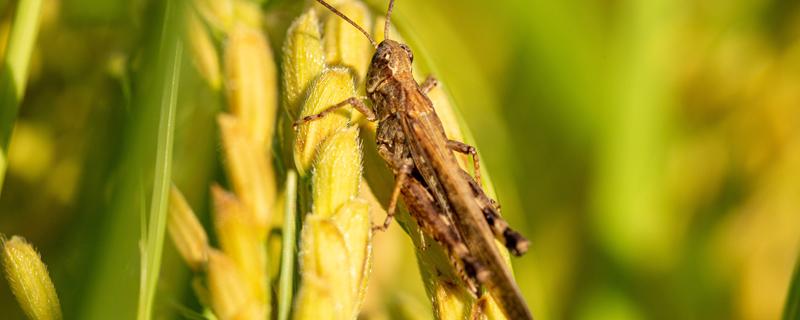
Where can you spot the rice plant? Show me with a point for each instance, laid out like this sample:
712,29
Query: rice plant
648,149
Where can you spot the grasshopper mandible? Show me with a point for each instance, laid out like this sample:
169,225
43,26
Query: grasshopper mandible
445,200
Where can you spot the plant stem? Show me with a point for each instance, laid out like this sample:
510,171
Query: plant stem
158,205
154,241
288,247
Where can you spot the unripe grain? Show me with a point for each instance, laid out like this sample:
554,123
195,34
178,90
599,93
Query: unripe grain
333,86
303,59
248,169
186,231
29,281
345,45
251,79
240,240
203,51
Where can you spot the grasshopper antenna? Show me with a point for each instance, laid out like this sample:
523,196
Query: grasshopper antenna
340,14
388,19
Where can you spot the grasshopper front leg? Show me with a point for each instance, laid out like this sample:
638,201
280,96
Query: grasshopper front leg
357,103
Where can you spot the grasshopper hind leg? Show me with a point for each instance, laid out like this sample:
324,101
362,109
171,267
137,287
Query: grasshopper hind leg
421,206
511,239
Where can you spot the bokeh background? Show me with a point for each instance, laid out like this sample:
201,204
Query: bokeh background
649,149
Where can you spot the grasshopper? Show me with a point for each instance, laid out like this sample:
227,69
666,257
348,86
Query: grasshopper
447,203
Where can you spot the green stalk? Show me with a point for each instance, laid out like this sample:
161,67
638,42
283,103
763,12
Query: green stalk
285,289
791,310
126,263
151,258
154,241
15,71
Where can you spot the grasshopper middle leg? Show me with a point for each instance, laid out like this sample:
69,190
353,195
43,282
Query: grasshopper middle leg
470,150
428,85
404,169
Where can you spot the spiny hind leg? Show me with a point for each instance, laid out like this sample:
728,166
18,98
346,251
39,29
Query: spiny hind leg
478,310
422,207
464,148
511,239
357,103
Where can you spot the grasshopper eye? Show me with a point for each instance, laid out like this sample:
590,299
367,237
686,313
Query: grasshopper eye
408,51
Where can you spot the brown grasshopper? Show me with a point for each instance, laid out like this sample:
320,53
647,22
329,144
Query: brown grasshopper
445,200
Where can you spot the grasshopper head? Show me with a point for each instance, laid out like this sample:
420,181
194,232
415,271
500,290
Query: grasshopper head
391,59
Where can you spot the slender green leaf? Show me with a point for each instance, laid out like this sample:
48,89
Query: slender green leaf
15,71
154,241
158,205
146,158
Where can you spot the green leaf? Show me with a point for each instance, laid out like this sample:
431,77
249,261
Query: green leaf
151,257
15,71
146,160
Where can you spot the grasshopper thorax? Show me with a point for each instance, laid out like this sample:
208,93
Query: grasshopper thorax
392,59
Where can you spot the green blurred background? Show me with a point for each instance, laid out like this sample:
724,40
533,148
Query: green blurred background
649,149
